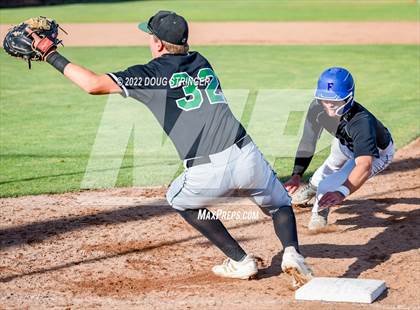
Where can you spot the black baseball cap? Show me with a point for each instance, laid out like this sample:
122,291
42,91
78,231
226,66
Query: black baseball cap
167,26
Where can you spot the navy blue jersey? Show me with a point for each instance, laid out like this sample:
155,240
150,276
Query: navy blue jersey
185,96
358,129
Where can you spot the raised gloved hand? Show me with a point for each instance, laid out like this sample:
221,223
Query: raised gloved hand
33,39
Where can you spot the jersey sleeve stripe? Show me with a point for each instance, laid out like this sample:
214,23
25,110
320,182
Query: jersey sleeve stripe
121,85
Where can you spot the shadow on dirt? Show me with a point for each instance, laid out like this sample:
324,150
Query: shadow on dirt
136,249
400,234
402,165
400,228
274,269
39,231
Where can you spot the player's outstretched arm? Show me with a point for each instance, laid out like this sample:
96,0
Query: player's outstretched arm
358,176
89,81
360,173
306,149
36,39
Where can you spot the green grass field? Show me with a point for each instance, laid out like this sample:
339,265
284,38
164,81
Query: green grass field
48,126
217,10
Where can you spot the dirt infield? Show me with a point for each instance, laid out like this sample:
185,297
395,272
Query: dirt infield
126,248
217,33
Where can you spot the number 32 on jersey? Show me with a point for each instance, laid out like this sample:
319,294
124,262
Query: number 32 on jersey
193,93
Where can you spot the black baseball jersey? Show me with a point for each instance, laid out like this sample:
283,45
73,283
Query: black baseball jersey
358,129
185,96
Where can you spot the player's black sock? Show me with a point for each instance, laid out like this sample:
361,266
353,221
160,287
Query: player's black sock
214,230
285,226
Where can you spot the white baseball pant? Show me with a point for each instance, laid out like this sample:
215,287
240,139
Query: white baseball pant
337,167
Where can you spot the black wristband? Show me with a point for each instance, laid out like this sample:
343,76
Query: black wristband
57,61
301,164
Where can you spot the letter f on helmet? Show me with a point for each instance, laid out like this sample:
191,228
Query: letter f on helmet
336,84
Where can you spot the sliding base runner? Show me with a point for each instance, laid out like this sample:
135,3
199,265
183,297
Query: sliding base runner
362,146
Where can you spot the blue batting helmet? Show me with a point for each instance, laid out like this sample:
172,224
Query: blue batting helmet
336,84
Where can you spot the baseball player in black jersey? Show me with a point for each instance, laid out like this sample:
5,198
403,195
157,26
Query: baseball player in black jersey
362,146
183,92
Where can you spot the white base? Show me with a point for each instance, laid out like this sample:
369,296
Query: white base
341,290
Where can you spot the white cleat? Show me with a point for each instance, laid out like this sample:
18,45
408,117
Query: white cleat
318,221
294,265
304,196
244,269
